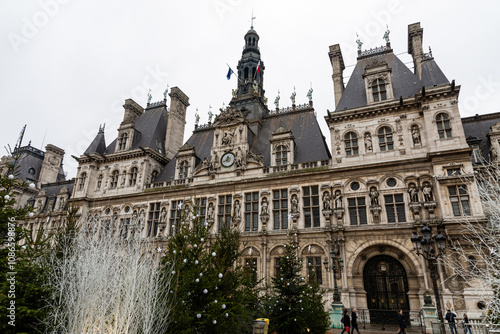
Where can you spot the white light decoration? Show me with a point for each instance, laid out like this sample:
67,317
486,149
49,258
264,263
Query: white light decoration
196,262
215,322
223,306
7,197
173,272
32,185
11,177
201,274
205,291
202,239
195,245
31,214
175,252
213,254
215,301
185,261
197,280
227,315
220,275
198,316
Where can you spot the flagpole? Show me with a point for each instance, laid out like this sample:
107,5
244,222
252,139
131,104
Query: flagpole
233,71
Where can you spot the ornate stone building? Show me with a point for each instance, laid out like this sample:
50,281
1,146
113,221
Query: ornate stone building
398,149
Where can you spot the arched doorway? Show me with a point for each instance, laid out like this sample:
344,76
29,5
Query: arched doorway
386,287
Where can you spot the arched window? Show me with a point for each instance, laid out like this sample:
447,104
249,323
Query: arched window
443,125
351,144
183,170
122,142
132,177
281,155
99,181
378,90
246,73
114,179
83,178
385,139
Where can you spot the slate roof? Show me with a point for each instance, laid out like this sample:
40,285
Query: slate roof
478,127
309,140
98,145
31,157
54,188
404,82
151,125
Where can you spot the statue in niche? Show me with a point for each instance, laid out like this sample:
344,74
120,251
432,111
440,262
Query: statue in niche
228,138
163,215
62,203
134,217
264,206
236,209
210,211
374,196
124,176
50,207
39,205
255,86
295,204
338,199
413,192
326,201
427,191
368,142
415,135
235,93
494,154
142,214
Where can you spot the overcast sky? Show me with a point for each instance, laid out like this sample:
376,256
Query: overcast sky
67,66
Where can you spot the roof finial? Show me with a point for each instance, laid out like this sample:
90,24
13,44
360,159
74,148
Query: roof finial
101,128
253,17
197,118
386,34
430,52
358,41
149,96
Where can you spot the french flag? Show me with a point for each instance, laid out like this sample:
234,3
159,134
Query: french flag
258,67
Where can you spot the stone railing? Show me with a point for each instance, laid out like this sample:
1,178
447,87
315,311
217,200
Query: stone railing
298,107
373,51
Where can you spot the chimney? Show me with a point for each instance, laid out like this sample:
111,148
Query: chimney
415,36
132,111
176,122
338,69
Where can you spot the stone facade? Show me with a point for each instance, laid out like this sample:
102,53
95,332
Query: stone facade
398,151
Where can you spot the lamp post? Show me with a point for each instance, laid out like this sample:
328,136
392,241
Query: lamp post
431,248
337,266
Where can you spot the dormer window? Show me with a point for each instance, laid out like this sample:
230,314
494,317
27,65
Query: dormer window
281,155
154,175
378,90
122,141
183,170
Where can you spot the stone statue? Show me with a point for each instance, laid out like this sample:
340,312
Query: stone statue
326,201
228,138
149,96
310,94
234,92
415,134
386,35
374,196
338,199
142,215
62,203
255,86
264,206
210,211
413,192
165,93
295,204
134,217
368,142
427,191
358,41
277,100
196,117
292,97
163,216
494,154
210,115
236,209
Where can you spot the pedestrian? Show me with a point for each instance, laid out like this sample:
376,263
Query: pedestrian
401,322
450,316
354,320
347,322
466,324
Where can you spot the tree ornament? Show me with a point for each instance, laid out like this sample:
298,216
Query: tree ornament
205,291
173,272
220,275
11,177
223,306
185,260
227,315
7,197
201,274
215,301
196,262
215,322
198,316
32,185
197,280
202,239
195,245
213,254
31,214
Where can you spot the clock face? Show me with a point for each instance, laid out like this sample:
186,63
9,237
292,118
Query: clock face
227,159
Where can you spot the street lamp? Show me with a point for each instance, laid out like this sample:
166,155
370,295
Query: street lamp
426,245
337,266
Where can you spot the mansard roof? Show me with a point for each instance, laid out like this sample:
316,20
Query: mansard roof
309,140
432,74
149,127
98,145
477,127
53,189
404,82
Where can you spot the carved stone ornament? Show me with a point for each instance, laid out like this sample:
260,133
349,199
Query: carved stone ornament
229,115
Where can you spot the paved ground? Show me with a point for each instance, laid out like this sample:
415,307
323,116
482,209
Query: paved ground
377,329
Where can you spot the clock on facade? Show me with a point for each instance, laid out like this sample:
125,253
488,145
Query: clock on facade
227,159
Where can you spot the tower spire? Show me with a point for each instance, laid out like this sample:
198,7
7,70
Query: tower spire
253,18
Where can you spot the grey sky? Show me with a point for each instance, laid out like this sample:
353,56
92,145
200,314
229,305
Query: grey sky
67,65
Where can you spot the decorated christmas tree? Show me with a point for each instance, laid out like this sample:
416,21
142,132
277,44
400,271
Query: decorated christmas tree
212,293
294,304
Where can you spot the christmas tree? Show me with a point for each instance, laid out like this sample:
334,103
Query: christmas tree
293,304
212,294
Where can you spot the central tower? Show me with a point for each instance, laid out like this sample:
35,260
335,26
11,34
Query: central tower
249,94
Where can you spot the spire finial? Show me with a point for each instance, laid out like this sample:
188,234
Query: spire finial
253,18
